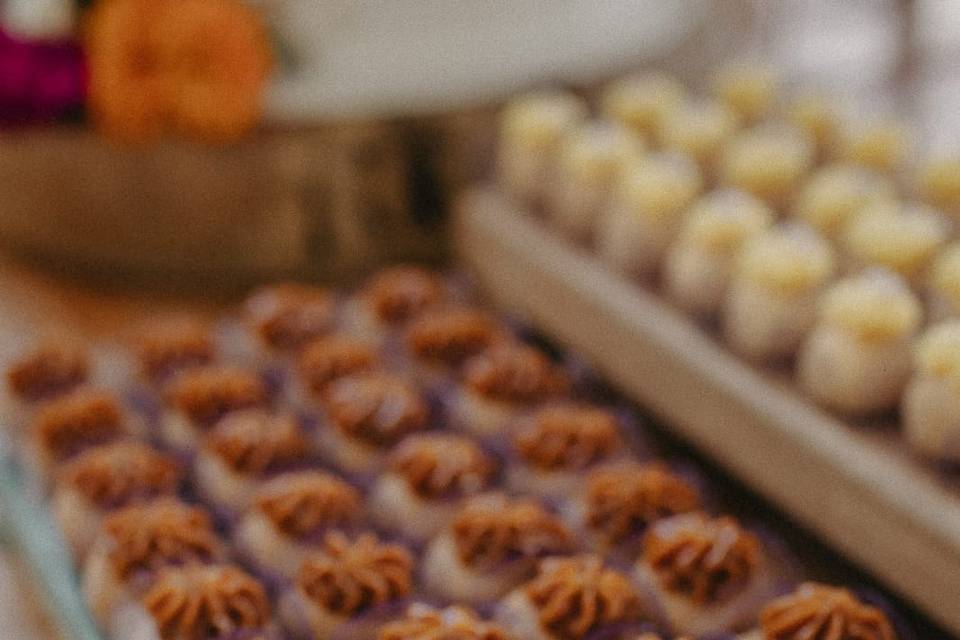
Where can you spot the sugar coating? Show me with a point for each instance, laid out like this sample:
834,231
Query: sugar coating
659,186
537,121
938,183
749,88
767,162
876,306
790,258
835,194
723,220
902,237
880,145
698,129
641,102
597,151
938,351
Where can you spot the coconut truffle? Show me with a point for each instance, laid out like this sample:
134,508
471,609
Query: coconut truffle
768,162
699,130
943,284
818,119
642,102
820,611
881,145
903,238
836,194
749,88
938,184
931,403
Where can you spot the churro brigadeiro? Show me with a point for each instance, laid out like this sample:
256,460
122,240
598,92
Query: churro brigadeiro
284,317
440,341
422,622
51,369
168,346
390,299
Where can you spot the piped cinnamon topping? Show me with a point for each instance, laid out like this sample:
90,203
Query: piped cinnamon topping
706,560
206,395
437,465
254,442
491,529
654,636
622,500
121,473
451,336
377,408
171,345
50,370
578,595
82,419
452,623
348,576
568,437
159,534
206,603
398,294
304,503
819,612
288,315
515,373
335,357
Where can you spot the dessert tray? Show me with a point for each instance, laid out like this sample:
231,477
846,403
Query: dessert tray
857,487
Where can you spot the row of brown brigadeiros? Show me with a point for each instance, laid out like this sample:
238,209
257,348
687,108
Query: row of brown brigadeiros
389,464
802,232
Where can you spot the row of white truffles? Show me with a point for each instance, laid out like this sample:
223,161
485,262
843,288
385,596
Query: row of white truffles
385,465
773,217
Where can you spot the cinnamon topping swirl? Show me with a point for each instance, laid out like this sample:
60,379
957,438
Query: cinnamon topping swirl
450,337
302,504
377,408
452,623
121,473
623,500
578,595
206,602
491,529
819,612
347,576
52,369
335,357
288,315
398,294
706,560
439,465
515,373
172,345
159,534
254,442
80,420
206,395
567,437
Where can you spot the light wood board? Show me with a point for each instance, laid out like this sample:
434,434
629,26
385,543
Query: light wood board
858,489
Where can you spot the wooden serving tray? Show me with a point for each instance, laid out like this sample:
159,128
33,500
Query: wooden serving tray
857,487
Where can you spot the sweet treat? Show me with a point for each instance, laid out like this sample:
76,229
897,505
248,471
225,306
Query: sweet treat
818,611
699,265
168,346
531,130
815,116
646,212
836,194
938,184
428,475
392,298
106,478
341,582
136,543
879,145
71,424
243,449
902,238
704,574
571,599
772,300
422,622
491,546
51,369
641,103
858,357
699,130
943,285
931,402
615,504
282,318
439,342
501,382
326,360
289,514
768,162
589,163
551,449
197,602
748,88
196,399
364,416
